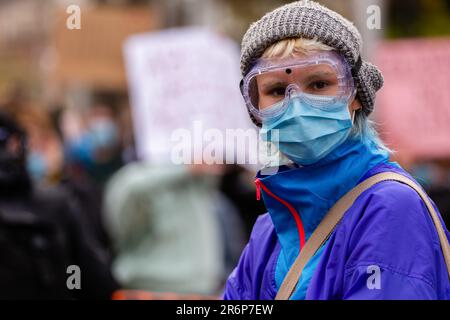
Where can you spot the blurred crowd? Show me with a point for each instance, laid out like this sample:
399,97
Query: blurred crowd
72,190
72,193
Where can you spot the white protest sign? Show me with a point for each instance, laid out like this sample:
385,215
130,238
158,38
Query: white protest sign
184,87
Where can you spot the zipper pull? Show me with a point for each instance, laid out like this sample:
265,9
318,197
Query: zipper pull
258,189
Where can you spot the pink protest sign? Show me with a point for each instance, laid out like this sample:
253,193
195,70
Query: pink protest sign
413,107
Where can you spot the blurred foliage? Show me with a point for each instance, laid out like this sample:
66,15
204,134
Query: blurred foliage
418,18
405,18
244,12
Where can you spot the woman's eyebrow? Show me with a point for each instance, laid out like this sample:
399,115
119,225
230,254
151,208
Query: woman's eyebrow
273,83
319,74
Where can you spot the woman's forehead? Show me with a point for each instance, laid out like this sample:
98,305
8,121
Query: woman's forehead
298,55
302,71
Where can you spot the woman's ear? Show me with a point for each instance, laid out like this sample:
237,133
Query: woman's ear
355,105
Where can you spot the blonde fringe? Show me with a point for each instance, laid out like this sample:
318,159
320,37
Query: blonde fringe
294,46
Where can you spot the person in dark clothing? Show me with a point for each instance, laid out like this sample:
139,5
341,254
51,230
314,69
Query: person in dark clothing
441,196
41,234
236,188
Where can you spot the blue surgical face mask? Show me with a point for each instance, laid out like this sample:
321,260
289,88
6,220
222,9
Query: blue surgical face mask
36,165
307,133
104,134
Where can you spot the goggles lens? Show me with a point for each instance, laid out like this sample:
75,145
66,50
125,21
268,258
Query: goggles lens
318,81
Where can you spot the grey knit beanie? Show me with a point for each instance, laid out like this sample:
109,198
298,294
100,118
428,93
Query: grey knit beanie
308,19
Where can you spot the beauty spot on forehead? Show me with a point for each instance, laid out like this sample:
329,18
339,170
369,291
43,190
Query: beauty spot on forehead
309,72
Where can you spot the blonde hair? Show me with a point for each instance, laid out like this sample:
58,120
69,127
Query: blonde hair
294,46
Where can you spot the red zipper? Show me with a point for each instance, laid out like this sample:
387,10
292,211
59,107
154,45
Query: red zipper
298,221
258,189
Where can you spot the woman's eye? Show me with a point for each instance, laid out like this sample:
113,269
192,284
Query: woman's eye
279,91
319,85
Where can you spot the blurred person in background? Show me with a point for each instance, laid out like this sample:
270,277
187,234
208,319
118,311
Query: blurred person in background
49,165
307,87
172,228
45,159
94,152
41,232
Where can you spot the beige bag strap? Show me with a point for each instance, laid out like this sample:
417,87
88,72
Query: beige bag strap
328,224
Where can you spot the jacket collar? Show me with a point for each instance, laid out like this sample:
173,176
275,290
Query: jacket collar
298,198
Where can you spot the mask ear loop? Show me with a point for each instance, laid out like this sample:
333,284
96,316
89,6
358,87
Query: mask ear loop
354,72
354,111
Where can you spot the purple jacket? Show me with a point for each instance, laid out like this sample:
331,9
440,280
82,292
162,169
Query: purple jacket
386,247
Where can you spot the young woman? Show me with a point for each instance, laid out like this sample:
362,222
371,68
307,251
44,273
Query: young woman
307,87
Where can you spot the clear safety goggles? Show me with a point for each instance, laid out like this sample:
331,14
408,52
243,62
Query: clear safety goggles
321,80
